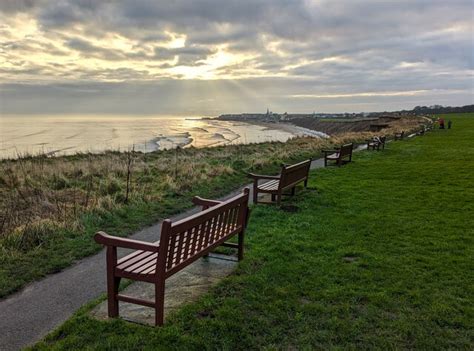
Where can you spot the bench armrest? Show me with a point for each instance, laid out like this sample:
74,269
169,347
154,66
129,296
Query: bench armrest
109,240
260,176
205,203
330,151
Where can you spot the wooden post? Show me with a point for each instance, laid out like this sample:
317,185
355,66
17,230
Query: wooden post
255,191
241,245
161,272
112,282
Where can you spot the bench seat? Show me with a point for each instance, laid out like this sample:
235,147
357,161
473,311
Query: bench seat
270,186
139,263
333,156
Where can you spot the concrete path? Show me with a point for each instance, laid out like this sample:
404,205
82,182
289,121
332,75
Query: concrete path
181,288
29,315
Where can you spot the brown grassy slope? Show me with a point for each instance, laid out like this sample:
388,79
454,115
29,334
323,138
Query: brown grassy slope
333,127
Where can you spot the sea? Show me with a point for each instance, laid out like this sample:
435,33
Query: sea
22,135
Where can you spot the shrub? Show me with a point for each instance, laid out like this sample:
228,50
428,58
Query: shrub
31,236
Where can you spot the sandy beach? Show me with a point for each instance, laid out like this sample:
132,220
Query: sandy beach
56,135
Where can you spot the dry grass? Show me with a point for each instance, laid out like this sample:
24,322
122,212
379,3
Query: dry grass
40,196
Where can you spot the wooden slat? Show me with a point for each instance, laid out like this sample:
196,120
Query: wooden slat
171,252
145,266
271,185
196,237
150,270
188,234
179,249
224,224
215,229
135,300
233,217
209,230
204,229
140,263
133,260
202,216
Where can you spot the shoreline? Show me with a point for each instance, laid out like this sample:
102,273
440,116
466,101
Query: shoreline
186,133
204,133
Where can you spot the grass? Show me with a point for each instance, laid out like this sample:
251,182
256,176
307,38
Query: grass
379,257
51,207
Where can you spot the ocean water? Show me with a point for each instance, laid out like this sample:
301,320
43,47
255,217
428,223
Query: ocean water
59,135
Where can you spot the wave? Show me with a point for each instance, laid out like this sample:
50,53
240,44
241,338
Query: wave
199,129
164,142
32,134
73,136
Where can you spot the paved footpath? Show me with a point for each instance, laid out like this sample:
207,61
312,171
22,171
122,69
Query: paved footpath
29,315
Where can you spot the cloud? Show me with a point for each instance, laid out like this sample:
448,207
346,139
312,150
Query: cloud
325,50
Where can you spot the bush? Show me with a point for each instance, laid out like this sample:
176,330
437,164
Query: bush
31,236
59,182
112,187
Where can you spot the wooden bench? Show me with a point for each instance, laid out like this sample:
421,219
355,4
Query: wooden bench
289,177
181,243
376,142
400,136
340,155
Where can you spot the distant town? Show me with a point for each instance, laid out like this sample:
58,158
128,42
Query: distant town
272,117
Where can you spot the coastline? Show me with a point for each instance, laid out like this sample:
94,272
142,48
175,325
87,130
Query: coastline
158,134
299,131
60,202
24,137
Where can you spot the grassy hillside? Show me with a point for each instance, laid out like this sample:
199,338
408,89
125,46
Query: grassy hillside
380,256
51,207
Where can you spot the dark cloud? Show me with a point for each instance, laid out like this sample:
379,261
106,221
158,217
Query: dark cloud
13,6
188,55
92,50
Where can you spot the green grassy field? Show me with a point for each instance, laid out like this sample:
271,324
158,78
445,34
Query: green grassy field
378,257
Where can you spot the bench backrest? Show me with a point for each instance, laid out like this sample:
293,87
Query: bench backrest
183,242
345,150
293,174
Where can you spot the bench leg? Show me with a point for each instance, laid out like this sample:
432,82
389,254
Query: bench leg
241,246
273,197
112,283
293,191
159,302
112,291
255,193
306,183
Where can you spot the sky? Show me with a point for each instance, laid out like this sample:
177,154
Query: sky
207,57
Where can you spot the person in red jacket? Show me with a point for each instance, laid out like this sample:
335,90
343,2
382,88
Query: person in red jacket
441,123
